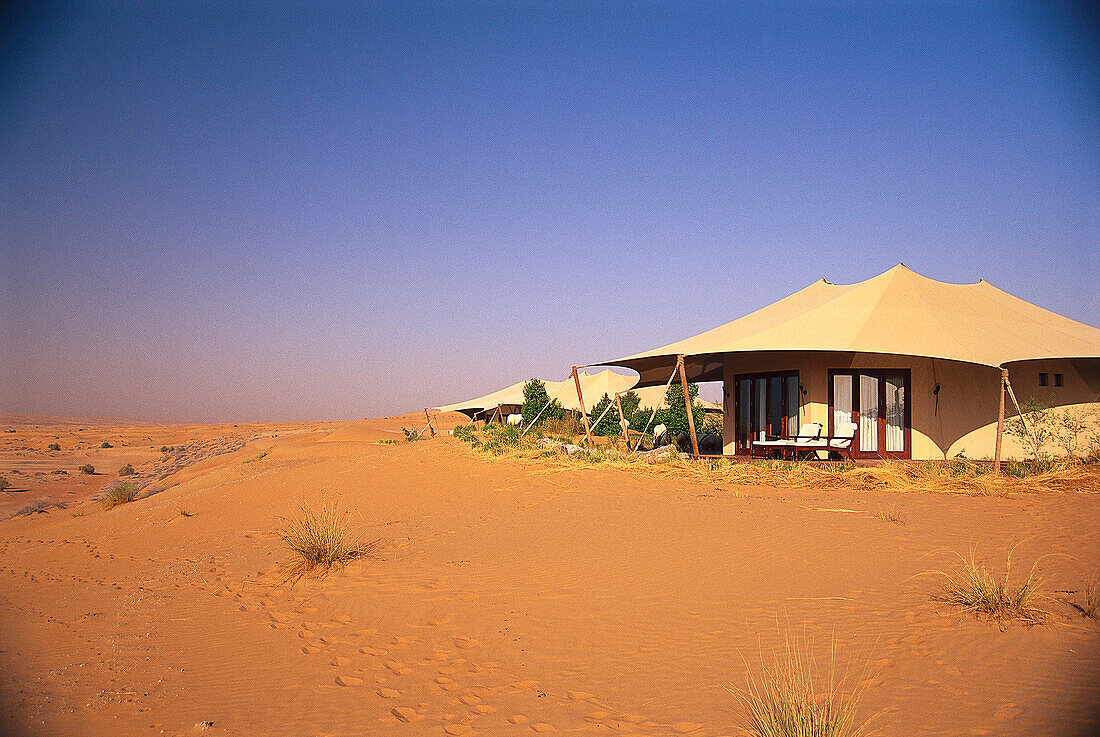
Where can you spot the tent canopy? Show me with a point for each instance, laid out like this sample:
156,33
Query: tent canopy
593,386
897,312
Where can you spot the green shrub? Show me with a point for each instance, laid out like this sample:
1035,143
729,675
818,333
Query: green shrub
127,470
105,444
410,435
87,468
53,446
164,449
674,414
535,399
466,434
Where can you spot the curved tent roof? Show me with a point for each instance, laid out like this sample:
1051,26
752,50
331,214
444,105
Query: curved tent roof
897,312
593,387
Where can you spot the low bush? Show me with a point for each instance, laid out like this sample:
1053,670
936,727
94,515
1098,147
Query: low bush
87,468
127,470
976,589
118,493
164,449
53,446
105,444
795,697
320,540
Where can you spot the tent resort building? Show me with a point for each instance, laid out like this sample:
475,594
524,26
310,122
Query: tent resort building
503,402
910,367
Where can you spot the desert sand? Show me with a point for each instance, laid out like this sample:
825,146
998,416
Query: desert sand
507,598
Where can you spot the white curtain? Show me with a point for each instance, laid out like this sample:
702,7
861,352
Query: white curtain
793,396
895,413
761,409
868,413
842,401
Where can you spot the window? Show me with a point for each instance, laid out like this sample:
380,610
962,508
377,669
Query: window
1059,380
1042,379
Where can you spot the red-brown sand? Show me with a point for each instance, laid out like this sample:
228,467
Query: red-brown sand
508,599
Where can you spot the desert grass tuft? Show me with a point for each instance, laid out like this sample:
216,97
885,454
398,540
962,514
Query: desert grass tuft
794,696
118,493
978,590
320,540
38,506
892,513
1090,607
183,512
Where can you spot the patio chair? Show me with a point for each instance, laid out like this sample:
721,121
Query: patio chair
809,432
841,443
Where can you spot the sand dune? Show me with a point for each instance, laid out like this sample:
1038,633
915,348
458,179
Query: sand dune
507,599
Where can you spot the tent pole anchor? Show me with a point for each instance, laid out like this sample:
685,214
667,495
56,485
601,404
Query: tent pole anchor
584,413
1000,422
687,405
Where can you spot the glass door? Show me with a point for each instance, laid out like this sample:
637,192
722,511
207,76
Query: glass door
767,407
877,403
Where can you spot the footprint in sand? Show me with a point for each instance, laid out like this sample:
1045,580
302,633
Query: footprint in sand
519,718
389,693
405,714
348,681
542,727
456,728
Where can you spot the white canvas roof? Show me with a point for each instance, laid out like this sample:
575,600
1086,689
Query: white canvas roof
897,312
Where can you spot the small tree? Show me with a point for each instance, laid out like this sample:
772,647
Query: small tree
674,414
1033,426
609,424
535,399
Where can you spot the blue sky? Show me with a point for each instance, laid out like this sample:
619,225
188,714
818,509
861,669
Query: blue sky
282,211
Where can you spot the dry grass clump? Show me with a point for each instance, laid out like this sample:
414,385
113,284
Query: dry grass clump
38,506
958,476
976,589
118,493
794,697
1090,607
892,513
320,540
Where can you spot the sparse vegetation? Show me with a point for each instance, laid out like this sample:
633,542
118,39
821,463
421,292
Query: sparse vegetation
105,444
795,697
410,435
1090,607
892,513
118,493
164,449
976,589
53,446
182,512
320,540
957,476
127,470
255,458
38,506
87,468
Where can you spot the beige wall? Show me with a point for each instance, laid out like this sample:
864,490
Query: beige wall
965,418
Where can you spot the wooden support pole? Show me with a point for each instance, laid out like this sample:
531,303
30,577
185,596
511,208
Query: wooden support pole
622,419
1000,421
687,405
430,421
584,414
